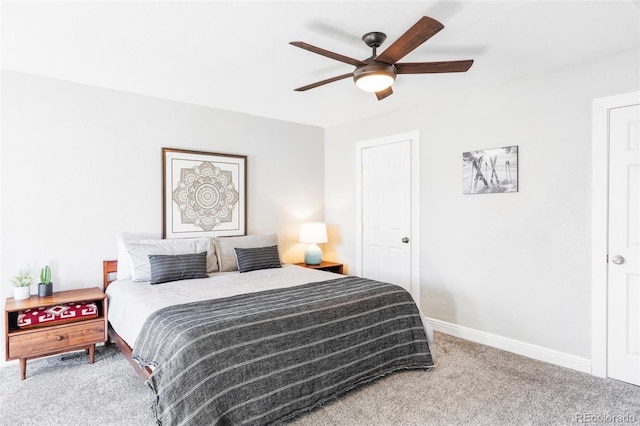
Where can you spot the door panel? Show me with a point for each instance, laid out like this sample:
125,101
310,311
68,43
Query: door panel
623,325
386,212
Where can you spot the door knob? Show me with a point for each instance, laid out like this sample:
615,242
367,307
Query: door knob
405,240
617,259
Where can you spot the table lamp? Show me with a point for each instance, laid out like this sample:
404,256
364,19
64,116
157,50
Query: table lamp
313,233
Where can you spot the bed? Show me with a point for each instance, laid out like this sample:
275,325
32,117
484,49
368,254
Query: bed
254,341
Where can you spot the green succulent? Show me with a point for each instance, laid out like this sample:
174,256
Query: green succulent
23,279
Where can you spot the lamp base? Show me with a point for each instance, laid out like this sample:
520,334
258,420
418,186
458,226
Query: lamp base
313,255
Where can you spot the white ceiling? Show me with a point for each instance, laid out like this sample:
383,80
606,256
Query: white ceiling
235,55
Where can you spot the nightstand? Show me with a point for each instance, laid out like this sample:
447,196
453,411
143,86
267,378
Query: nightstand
338,268
28,343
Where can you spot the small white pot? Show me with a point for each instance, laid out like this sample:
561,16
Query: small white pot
20,293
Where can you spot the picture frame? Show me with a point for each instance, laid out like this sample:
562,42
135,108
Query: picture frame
493,170
203,194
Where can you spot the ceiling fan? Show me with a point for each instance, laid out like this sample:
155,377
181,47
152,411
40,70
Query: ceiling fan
377,73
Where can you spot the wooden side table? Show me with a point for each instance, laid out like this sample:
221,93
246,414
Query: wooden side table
338,268
28,343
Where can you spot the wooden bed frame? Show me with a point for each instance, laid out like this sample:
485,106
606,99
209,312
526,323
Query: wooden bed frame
111,267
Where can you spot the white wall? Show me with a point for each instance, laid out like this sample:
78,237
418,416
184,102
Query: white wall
81,166
512,265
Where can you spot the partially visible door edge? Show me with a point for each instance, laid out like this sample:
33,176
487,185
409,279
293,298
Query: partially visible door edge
414,137
599,223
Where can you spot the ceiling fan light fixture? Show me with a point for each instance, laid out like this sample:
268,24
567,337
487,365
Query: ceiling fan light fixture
374,77
378,73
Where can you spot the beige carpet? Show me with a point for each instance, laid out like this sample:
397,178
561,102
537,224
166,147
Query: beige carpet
471,385
478,385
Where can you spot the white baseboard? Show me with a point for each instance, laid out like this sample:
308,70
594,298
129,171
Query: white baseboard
521,348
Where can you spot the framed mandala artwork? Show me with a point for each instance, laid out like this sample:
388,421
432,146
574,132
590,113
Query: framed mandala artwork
203,194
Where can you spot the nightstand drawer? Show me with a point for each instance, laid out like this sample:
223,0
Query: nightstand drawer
56,338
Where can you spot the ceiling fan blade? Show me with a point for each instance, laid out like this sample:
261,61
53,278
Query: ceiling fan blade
384,93
323,82
327,53
433,67
421,31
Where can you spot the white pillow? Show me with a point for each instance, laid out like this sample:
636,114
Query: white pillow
139,250
208,244
124,261
226,245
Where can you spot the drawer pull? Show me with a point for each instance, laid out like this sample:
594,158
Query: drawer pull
60,338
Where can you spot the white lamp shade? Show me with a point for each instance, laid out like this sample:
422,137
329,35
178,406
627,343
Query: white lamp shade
313,232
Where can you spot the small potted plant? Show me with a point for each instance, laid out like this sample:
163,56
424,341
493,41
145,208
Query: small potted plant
45,288
22,285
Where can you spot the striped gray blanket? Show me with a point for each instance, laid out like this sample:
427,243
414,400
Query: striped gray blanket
266,357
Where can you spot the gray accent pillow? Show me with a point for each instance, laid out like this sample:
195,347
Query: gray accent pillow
136,254
176,267
252,259
225,248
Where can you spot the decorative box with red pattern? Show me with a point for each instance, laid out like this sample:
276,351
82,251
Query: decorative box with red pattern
58,314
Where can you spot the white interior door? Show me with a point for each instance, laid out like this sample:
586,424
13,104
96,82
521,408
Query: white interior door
386,213
623,325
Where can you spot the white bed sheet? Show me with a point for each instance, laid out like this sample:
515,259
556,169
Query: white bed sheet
130,303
